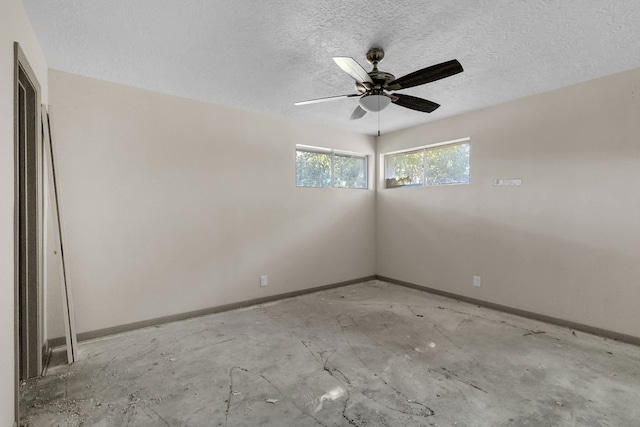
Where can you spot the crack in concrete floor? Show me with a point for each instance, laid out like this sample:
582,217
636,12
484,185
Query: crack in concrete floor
370,354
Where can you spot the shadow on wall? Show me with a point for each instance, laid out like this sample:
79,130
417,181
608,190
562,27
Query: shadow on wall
236,242
524,258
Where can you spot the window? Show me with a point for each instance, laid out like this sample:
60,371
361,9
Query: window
320,167
441,164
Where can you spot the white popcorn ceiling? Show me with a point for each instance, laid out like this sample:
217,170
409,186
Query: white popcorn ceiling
265,55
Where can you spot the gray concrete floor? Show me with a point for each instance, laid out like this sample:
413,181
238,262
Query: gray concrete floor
371,354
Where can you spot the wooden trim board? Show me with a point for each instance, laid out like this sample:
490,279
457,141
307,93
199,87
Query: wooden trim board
59,235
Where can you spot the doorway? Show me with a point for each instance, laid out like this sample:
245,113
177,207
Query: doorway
28,220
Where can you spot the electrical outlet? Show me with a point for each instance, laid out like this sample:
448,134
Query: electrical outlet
477,281
263,281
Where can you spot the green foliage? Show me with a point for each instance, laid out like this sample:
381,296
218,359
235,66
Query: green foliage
349,172
448,164
405,169
314,169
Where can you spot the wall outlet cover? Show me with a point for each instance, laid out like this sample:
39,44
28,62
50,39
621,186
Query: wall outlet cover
508,182
263,281
477,281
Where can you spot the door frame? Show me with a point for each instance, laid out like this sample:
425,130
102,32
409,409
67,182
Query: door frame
22,64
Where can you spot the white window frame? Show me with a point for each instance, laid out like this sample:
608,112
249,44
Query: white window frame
333,153
383,162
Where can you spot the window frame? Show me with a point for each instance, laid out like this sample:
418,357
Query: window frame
423,149
332,155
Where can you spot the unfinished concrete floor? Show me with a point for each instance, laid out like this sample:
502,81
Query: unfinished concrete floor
371,354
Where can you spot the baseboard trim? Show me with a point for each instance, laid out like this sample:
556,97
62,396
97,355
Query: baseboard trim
605,333
84,336
99,333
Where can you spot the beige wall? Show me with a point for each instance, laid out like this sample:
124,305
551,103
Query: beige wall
566,242
173,205
14,26
161,222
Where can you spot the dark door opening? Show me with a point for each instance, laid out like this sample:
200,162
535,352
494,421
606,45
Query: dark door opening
27,220
27,230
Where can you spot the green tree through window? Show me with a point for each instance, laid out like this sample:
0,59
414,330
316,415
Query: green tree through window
326,168
349,171
313,169
405,169
444,164
448,164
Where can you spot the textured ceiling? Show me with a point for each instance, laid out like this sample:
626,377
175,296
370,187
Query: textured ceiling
265,55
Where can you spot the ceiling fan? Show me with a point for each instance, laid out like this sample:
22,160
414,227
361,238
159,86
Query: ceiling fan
374,88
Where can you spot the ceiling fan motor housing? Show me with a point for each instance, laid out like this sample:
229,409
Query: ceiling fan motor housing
373,97
380,79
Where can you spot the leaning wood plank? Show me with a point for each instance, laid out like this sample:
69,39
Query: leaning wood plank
63,270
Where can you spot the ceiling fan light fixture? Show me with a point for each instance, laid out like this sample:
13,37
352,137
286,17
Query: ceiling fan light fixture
374,102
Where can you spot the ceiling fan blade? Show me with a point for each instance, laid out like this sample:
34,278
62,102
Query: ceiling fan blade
414,103
351,67
358,113
329,98
426,75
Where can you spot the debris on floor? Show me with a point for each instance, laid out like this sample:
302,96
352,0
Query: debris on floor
365,360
